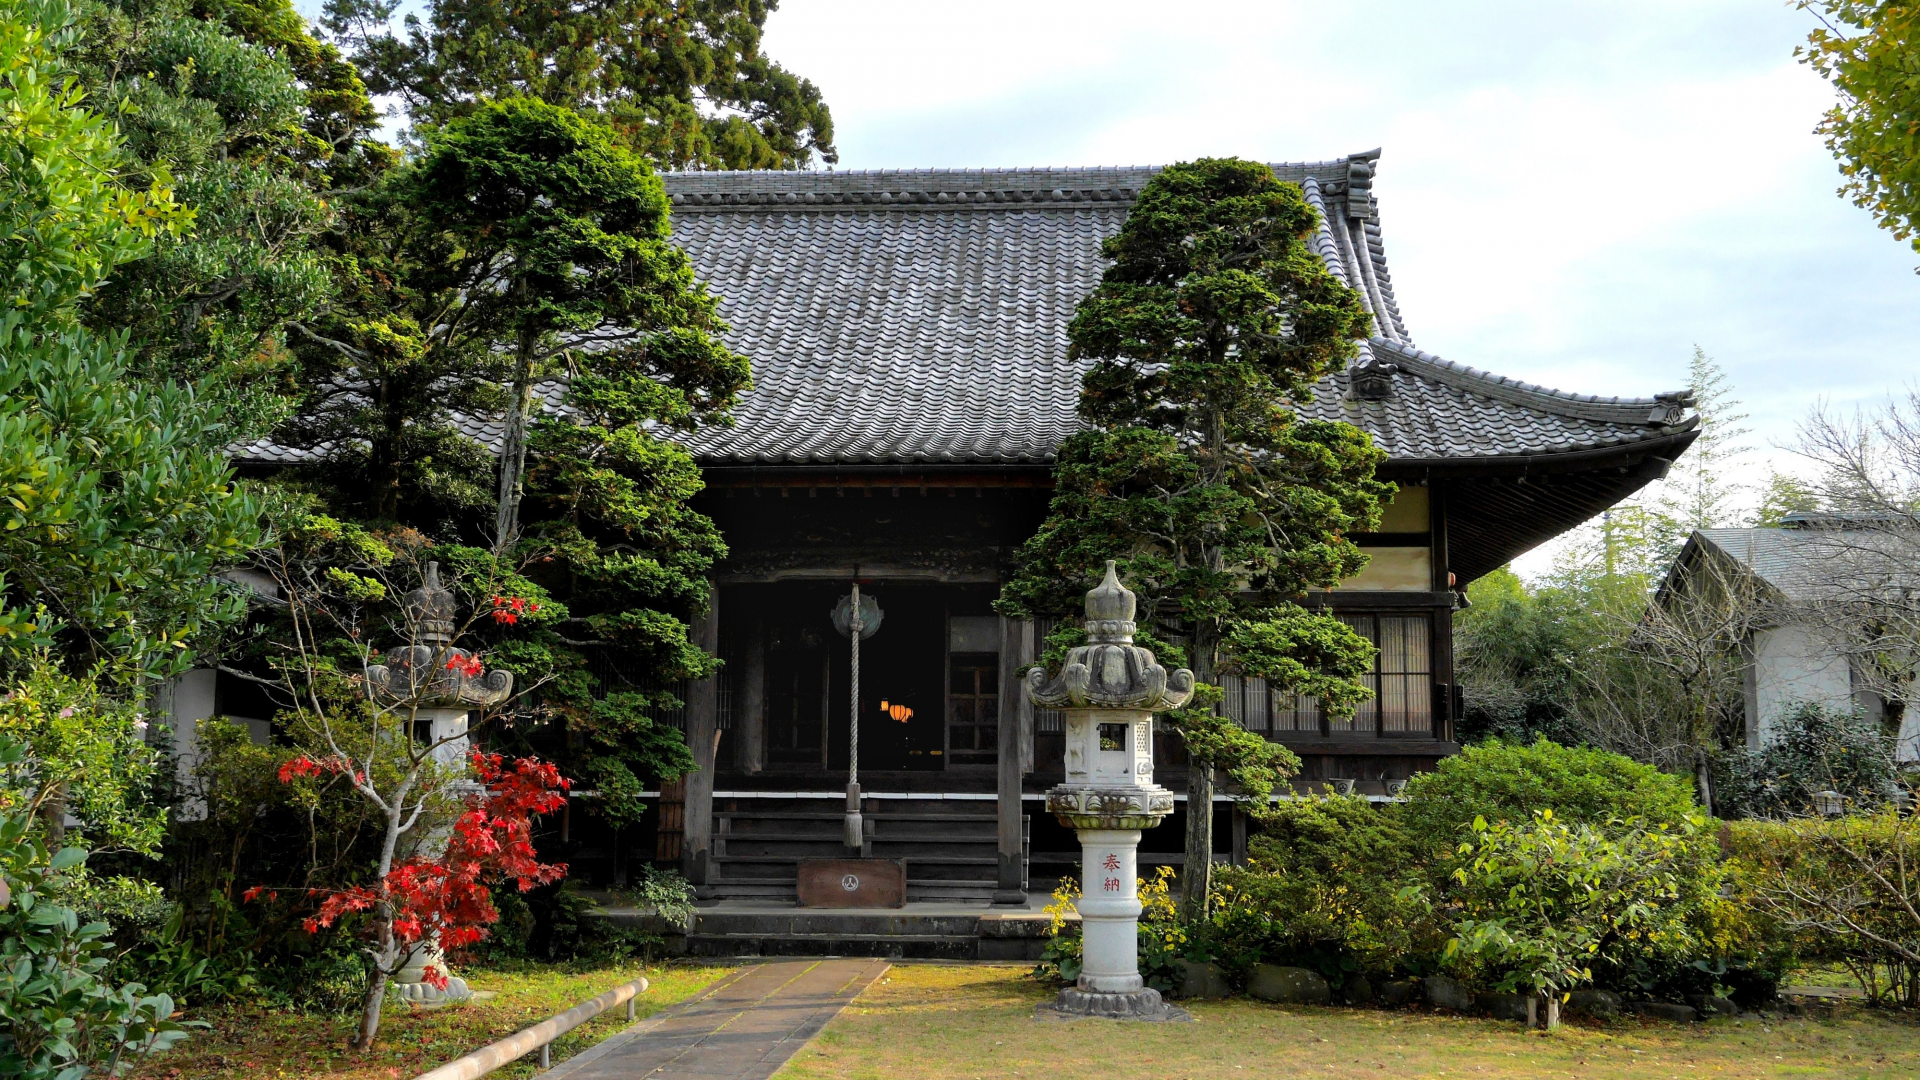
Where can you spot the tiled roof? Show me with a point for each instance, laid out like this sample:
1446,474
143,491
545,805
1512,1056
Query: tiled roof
1822,556
920,317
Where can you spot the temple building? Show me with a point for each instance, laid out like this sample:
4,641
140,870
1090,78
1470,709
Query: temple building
908,335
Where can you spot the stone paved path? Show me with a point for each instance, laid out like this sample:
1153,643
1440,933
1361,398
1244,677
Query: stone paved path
742,1028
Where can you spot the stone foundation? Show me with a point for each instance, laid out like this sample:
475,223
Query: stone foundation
1143,1004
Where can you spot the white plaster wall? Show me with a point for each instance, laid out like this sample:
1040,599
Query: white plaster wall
1906,748
1792,665
182,704
1393,569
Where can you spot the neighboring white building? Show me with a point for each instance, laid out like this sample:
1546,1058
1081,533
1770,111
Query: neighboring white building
188,699
1803,573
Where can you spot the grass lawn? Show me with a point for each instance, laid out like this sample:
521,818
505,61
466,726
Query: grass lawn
963,1022
256,1044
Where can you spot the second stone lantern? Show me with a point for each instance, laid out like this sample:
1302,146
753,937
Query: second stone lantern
427,684
1109,690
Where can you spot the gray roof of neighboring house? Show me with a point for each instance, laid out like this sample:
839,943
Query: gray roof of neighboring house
1820,555
920,317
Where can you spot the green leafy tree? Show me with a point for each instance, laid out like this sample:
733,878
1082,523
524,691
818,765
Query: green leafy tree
1869,50
683,81
120,507
60,1019
1221,505
1517,654
525,262
556,237
90,759
1701,491
1544,900
1781,495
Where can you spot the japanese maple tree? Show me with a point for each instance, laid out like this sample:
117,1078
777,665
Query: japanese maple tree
445,898
380,654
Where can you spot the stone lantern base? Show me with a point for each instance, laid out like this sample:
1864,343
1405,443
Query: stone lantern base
410,983
1142,1004
1108,821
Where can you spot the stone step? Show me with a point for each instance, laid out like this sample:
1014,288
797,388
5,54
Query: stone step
915,859
815,922
757,837
768,927
840,814
887,946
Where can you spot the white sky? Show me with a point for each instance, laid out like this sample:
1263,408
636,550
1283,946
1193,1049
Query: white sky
1572,193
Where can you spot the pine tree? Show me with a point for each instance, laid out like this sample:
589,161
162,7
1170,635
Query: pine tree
1222,506
683,82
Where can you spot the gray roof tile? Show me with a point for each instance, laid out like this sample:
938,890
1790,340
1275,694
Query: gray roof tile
919,316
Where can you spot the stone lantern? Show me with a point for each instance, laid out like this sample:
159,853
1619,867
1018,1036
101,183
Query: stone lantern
1109,690
428,681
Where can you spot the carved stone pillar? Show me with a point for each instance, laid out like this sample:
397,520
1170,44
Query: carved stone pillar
1109,690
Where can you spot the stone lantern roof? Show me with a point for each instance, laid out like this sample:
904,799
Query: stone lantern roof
1110,671
431,673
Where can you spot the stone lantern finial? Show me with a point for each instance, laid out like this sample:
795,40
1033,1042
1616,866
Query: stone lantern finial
430,609
1110,607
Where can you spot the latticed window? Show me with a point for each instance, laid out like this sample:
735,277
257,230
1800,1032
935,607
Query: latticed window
1402,678
1401,681
973,727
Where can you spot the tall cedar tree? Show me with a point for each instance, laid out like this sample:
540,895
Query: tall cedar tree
682,80
1222,506
530,248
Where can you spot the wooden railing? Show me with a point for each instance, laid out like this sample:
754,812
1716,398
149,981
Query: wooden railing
538,1037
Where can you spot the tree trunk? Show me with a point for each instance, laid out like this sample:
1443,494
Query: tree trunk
370,1011
376,986
1553,1012
54,813
383,455
513,448
1703,778
1196,878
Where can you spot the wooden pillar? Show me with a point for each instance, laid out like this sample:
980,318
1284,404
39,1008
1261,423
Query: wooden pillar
703,725
750,709
1441,637
1015,742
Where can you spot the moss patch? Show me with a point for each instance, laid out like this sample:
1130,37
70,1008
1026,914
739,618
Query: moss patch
257,1044
961,1023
